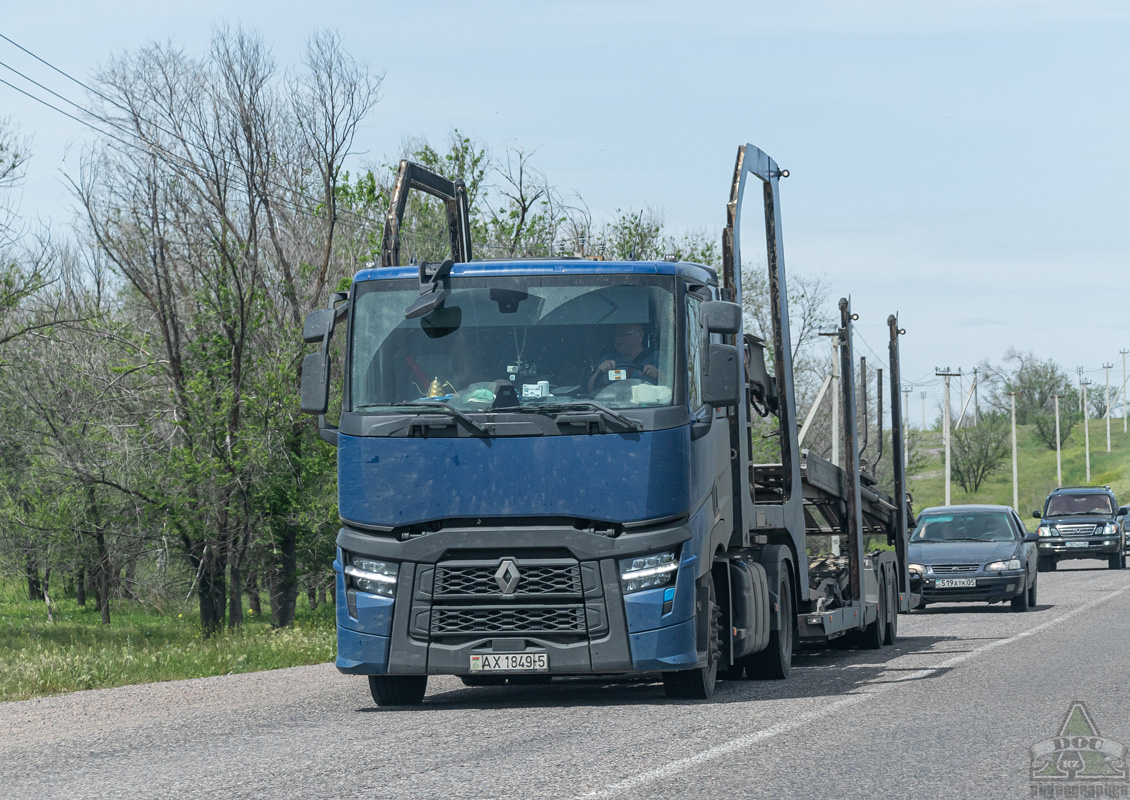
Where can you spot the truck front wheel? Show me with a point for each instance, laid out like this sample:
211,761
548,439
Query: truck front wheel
775,661
398,690
698,683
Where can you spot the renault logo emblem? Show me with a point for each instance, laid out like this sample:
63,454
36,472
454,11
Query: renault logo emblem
507,576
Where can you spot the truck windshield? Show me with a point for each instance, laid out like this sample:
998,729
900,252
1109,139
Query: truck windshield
1065,505
503,342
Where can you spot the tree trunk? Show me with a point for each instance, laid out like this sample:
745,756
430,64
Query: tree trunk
34,586
235,597
251,589
80,588
284,579
312,595
213,595
103,579
47,592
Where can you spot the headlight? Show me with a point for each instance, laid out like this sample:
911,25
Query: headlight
1111,528
647,572
997,566
1045,530
916,569
374,577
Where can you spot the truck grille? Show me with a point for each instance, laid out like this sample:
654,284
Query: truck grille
954,569
1089,529
447,621
535,581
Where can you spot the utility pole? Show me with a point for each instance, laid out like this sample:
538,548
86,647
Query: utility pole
1085,382
922,395
1016,486
976,397
1058,458
946,374
906,429
1107,368
1124,351
1082,402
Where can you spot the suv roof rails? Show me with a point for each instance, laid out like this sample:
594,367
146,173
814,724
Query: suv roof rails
1061,488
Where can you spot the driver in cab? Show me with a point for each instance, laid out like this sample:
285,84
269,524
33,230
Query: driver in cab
631,356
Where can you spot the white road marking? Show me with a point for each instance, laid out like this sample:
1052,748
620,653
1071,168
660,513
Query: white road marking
800,720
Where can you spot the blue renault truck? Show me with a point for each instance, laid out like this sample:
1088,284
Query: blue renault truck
545,469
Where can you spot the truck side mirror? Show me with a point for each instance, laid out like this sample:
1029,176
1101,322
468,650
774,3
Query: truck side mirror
315,386
317,325
721,377
719,316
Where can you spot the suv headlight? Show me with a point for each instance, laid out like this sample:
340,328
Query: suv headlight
1111,529
1045,530
374,577
997,566
647,572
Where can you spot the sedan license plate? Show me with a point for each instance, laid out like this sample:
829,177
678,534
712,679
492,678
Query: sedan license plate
1078,544
510,662
955,583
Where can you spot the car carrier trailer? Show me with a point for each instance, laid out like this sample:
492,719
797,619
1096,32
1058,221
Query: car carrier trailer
511,513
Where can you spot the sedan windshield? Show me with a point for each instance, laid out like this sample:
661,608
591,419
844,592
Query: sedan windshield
1066,505
977,526
515,341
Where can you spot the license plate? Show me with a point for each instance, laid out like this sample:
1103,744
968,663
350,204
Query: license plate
510,662
1078,544
954,583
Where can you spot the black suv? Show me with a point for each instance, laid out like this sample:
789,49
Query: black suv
1081,522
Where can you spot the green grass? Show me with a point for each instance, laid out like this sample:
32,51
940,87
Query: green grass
1035,468
75,651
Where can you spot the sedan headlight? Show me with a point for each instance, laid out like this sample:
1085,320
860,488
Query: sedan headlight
647,572
1045,530
916,569
374,577
997,566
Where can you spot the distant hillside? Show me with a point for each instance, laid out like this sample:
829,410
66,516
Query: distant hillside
1036,465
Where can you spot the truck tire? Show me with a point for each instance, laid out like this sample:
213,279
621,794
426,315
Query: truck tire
892,632
398,690
875,634
1045,563
698,683
775,661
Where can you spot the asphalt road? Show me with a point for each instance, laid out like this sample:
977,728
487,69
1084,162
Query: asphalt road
949,711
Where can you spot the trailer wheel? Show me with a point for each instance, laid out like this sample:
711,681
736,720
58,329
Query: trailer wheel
892,631
876,633
398,690
775,661
698,683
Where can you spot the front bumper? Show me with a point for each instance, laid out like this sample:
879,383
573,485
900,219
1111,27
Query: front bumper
424,629
990,588
1086,547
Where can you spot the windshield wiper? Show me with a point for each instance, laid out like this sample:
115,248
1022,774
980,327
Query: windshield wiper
455,412
572,405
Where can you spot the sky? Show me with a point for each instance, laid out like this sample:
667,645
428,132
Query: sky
963,164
